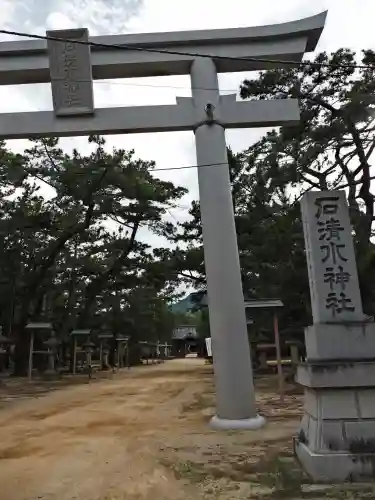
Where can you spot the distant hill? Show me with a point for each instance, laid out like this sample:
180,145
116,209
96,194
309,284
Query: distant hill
192,301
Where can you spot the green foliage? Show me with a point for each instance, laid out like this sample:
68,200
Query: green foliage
203,323
332,146
77,241
71,232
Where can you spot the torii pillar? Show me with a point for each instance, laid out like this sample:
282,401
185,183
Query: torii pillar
71,67
232,359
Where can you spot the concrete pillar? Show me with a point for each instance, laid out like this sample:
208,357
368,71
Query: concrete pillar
74,368
105,363
31,355
101,355
230,344
294,354
262,358
127,355
280,376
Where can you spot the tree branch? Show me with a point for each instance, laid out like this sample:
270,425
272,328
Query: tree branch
100,280
191,277
52,161
310,182
46,261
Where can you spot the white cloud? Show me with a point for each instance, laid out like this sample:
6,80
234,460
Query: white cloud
100,15
349,23
58,21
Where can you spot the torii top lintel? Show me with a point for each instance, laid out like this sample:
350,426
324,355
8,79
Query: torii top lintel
27,61
71,68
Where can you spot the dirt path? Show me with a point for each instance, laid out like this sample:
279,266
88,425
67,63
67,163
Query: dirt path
144,435
100,441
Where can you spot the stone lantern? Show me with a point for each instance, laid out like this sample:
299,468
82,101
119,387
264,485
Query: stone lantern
52,345
104,349
105,353
122,348
89,348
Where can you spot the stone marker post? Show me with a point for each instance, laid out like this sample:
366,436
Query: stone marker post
336,441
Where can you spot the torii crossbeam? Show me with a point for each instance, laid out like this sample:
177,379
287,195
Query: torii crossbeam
71,68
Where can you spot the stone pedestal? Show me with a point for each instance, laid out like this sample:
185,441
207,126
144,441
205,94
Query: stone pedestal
336,441
51,373
294,354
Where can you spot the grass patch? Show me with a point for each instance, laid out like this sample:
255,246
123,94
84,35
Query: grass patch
230,465
274,477
193,472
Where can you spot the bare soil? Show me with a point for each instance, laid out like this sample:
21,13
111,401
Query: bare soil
142,434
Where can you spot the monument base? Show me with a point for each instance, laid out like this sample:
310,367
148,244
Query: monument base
335,467
325,341
251,424
336,441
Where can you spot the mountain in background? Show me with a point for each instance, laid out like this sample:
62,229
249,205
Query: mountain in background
191,303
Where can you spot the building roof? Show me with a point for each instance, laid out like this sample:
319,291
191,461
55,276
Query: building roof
197,300
263,303
184,331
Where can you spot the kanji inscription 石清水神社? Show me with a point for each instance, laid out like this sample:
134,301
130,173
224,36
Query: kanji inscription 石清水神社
335,294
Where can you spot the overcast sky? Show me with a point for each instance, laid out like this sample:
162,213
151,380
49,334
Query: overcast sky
350,23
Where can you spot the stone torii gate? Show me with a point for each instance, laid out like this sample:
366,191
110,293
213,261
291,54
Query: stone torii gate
71,68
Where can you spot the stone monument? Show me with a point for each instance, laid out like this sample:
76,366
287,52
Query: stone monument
71,67
336,441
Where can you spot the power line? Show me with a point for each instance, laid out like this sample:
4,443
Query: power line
266,217
215,165
180,87
188,167
218,164
150,85
167,169
191,54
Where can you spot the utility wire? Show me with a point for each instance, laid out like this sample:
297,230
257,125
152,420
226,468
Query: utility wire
188,167
191,54
217,164
150,85
166,169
